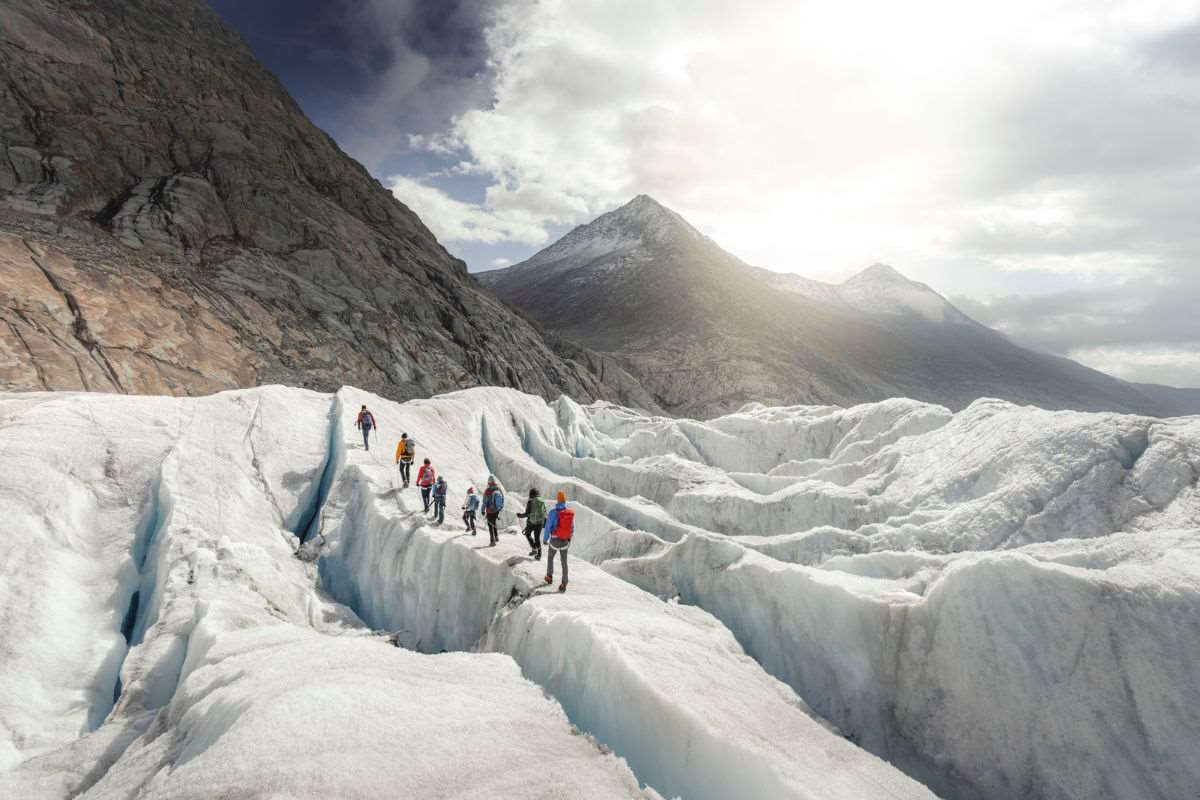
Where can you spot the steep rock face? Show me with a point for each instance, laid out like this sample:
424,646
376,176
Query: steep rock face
706,333
171,222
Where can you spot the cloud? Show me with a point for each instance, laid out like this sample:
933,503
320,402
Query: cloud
456,221
986,149
799,137
1173,367
419,63
1142,330
501,263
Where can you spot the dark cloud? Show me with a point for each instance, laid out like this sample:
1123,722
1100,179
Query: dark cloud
372,72
1136,314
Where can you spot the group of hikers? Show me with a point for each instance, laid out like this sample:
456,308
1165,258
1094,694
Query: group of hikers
553,527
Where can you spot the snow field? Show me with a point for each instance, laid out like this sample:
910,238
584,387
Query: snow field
291,711
241,675
1001,602
1044,672
665,686
71,494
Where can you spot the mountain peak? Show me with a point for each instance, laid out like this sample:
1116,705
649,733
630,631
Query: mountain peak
879,273
643,209
643,200
881,289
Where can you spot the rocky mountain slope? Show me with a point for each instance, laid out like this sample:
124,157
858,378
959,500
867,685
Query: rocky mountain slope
705,333
170,222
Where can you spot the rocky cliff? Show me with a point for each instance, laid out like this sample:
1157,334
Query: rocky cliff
171,222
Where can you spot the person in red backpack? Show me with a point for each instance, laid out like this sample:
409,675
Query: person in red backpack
560,525
426,477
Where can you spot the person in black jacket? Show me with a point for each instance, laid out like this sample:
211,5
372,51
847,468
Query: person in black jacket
535,517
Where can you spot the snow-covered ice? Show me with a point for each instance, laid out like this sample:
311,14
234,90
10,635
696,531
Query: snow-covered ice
202,597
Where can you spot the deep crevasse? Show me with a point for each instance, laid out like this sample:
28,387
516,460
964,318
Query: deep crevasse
665,686
235,660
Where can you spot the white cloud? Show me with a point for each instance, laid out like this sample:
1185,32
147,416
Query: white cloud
1171,366
501,263
455,221
821,137
984,148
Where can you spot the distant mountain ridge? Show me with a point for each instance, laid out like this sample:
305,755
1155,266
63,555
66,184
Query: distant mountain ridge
705,333
878,289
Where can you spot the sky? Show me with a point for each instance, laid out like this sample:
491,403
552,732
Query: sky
1037,161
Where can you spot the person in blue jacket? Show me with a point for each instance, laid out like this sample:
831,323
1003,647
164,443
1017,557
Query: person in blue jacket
493,502
560,526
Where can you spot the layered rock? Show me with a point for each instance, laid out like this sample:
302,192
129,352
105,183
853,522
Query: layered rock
171,222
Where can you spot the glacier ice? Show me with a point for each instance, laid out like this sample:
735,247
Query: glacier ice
201,597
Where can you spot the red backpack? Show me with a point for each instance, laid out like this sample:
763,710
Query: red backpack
565,525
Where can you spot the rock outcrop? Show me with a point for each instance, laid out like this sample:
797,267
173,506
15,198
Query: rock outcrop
171,222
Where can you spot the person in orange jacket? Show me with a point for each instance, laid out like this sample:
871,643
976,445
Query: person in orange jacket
426,477
406,452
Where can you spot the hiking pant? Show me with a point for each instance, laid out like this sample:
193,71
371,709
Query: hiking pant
405,468
366,432
469,520
425,490
532,531
560,547
492,531
439,509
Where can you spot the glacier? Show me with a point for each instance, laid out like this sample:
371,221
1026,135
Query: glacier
229,595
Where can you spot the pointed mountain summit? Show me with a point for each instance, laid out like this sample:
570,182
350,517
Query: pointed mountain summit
705,333
642,223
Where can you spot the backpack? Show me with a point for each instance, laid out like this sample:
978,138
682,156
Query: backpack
565,526
409,451
537,510
425,473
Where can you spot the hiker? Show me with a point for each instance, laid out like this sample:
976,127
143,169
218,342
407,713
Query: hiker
426,477
493,502
560,524
439,500
406,451
535,517
366,421
470,506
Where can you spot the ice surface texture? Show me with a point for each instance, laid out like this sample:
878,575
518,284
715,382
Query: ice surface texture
200,596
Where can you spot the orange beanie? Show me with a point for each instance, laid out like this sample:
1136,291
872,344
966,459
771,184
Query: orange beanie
562,497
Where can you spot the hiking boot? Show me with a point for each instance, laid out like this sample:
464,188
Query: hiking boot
548,580
562,587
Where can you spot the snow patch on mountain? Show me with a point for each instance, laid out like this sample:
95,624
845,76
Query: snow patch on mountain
879,289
